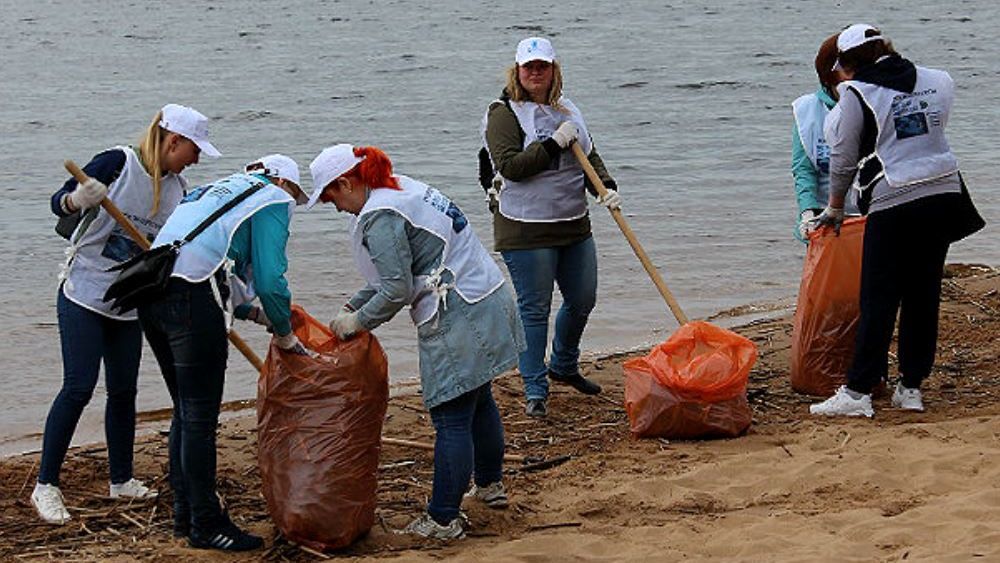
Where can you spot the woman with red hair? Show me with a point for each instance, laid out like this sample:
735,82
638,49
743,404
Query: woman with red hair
414,246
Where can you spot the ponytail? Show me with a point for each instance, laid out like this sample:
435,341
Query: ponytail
375,171
149,153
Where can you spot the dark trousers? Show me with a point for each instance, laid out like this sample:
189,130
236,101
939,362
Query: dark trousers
187,333
469,443
901,270
87,338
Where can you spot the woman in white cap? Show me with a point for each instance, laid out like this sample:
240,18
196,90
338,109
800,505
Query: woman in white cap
187,326
415,247
810,153
541,225
888,128
145,183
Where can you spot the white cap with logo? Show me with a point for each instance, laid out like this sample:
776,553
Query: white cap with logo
535,49
189,123
329,165
279,166
856,36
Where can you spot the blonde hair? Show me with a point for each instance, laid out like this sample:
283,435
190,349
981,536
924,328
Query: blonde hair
150,148
519,94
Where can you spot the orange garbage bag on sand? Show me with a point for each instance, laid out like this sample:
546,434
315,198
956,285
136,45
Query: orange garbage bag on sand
693,385
826,314
319,429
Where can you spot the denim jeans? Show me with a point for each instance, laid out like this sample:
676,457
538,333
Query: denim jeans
574,269
87,338
901,268
469,443
187,333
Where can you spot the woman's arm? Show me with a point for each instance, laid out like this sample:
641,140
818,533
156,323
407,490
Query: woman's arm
505,141
105,168
268,241
805,174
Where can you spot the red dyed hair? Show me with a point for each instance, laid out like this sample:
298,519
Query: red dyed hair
375,171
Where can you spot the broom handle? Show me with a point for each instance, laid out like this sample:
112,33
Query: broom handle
661,285
139,239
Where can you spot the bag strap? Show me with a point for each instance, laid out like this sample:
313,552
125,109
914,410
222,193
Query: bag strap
222,211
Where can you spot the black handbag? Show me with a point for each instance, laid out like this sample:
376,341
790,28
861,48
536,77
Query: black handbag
145,277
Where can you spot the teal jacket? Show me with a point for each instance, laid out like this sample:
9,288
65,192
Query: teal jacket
806,175
261,242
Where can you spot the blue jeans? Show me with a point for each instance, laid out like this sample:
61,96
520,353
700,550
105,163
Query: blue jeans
87,338
469,443
574,269
187,333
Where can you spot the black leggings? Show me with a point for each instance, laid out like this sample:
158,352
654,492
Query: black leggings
901,269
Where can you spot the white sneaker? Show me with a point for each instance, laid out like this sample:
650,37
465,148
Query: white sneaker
842,404
426,526
493,495
48,502
133,488
907,399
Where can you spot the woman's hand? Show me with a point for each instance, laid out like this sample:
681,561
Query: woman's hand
346,324
566,134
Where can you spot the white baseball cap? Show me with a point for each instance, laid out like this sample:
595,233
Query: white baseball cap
279,166
191,124
535,49
329,165
855,36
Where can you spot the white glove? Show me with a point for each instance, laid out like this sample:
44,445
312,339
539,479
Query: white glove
257,315
88,194
566,134
345,324
830,217
290,343
805,223
612,200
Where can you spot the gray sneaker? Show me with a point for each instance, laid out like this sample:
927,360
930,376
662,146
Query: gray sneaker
425,526
907,399
493,495
536,408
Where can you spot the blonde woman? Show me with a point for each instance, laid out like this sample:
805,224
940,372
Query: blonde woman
146,184
541,225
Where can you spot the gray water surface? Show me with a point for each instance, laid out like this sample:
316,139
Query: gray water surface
688,102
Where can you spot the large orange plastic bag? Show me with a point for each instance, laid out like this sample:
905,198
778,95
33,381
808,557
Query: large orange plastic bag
656,411
692,385
319,423
826,315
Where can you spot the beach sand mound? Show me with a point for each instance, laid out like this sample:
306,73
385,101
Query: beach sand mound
904,486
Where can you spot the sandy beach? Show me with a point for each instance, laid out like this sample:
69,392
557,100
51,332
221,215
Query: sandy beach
903,486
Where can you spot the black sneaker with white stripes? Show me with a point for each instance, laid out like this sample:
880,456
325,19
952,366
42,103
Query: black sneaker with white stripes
226,538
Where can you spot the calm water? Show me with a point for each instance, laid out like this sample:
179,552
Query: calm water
688,103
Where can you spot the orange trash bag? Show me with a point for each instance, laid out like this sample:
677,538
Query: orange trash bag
693,385
319,429
826,314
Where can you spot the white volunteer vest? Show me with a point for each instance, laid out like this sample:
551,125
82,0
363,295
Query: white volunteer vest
103,243
201,257
810,113
911,142
556,194
476,275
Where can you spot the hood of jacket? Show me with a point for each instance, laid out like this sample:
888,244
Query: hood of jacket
892,71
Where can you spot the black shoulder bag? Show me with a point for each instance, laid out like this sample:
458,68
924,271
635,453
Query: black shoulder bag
144,277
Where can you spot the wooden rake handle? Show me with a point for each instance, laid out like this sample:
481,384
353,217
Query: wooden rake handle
139,239
661,285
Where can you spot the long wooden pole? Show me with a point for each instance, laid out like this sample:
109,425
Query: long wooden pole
122,220
661,285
